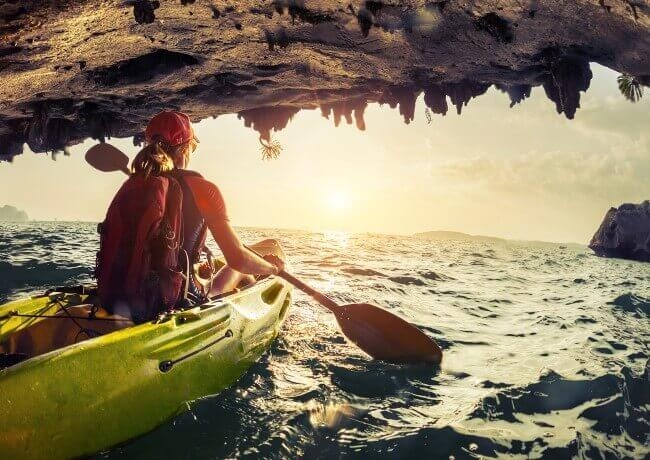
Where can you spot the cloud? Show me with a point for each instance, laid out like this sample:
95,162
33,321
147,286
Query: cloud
606,175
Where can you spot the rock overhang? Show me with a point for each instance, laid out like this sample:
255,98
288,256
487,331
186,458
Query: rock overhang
98,69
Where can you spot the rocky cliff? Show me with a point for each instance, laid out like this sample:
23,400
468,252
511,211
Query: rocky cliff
624,233
99,68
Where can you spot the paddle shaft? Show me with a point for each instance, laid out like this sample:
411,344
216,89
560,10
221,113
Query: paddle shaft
313,293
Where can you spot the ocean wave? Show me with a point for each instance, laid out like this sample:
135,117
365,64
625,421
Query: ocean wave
632,303
433,276
362,271
552,393
37,274
615,403
407,280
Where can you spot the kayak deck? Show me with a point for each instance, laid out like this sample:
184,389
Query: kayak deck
130,378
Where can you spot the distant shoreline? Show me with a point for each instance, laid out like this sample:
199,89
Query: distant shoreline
430,235
460,236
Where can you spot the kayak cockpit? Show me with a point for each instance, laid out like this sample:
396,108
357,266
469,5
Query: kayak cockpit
42,324
38,325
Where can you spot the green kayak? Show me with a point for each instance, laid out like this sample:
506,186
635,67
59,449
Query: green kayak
84,385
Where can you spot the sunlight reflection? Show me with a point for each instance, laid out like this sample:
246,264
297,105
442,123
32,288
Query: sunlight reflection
332,415
338,239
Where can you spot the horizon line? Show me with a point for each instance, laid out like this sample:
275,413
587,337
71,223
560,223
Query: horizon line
262,227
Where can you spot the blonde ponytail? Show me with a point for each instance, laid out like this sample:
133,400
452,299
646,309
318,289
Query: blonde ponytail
155,158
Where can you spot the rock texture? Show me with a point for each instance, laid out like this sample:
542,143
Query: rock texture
624,233
99,68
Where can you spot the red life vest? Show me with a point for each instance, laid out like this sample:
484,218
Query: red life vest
138,271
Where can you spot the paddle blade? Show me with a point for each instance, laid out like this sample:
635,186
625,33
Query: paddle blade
107,158
386,336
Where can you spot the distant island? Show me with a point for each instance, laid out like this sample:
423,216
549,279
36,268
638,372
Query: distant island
449,235
11,214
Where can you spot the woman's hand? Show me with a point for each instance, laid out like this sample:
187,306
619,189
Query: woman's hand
275,260
206,270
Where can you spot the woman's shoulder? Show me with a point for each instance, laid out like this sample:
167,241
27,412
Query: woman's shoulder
186,173
207,195
191,178
197,183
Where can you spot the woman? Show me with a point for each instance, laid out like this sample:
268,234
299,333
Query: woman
170,143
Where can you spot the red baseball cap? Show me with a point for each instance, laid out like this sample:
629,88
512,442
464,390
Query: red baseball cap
173,127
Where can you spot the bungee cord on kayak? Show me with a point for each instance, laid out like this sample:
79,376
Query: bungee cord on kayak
19,315
13,357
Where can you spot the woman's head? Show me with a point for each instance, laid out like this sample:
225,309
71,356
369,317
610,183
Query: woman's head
170,141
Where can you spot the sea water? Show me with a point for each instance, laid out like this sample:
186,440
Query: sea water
545,351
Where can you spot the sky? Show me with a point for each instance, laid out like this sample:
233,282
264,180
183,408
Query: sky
522,173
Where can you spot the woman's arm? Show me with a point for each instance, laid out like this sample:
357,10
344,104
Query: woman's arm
237,256
213,209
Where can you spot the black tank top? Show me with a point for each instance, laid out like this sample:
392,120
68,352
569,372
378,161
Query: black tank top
194,225
194,233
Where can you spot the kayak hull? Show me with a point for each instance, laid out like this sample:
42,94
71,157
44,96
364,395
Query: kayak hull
97,393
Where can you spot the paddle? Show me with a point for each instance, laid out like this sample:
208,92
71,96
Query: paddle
381,334
107,158
378,332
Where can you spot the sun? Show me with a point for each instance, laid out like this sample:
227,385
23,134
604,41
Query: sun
337,200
